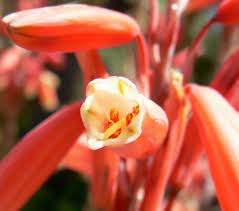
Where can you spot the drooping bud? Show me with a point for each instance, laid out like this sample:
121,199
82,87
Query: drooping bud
70,28
115,113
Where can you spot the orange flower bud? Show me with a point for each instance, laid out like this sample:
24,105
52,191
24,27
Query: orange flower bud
70,28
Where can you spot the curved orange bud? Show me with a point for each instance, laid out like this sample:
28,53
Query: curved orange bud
227,12
70,28
116,115
32,161
218,126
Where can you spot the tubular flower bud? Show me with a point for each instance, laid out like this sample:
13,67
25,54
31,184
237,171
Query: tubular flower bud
114,114
70,28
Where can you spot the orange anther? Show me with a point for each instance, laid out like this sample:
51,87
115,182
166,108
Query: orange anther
114,115
114,118
130,116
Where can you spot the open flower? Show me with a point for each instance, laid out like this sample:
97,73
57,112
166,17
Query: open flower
114,114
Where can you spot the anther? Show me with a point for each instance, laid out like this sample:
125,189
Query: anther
115,125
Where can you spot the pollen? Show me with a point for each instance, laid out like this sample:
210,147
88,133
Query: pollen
115,125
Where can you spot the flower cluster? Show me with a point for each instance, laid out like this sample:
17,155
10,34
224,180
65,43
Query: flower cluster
134,143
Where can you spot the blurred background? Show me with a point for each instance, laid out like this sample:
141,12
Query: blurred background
33,85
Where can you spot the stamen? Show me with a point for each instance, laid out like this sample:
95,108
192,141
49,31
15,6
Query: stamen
114,115
115,126
132,115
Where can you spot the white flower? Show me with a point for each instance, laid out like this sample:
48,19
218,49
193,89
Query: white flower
112,112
